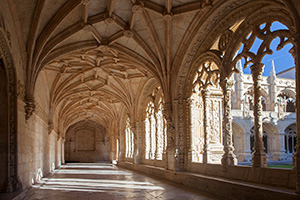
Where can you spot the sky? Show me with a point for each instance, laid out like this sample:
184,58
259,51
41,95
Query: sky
282,59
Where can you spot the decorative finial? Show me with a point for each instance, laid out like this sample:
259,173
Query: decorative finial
273,72
240,67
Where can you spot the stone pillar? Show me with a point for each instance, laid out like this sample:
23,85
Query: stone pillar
282,146
296,55
259,158
63,140
206,94
170,154
189,127
136,151
228,158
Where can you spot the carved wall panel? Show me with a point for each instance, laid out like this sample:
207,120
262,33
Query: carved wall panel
86,141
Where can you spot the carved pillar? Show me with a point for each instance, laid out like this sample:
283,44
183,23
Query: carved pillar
206,94
259,156
189,128
170,154
136,151
296,55
228,157
180,164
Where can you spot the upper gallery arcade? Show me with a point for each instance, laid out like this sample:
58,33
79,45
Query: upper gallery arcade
145,84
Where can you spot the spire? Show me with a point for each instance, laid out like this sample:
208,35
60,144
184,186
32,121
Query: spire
272,72
240,67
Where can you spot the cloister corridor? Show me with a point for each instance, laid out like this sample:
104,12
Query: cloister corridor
89,181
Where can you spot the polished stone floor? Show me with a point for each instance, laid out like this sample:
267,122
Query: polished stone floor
106,181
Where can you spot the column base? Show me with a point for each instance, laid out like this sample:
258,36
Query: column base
170,160
228,159
259,159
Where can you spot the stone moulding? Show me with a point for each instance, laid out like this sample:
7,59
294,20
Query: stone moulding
13,181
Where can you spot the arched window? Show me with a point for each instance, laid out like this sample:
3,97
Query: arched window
290,139
155,130
129,140
265,140
161,131
150,131
205,91
285,103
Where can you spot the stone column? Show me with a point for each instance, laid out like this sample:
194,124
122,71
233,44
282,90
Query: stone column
189,127
63,140
206,95
228,158
296,55
259,158
170,154
135,145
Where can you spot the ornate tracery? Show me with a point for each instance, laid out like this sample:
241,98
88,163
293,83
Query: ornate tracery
155,129
205,105
129,140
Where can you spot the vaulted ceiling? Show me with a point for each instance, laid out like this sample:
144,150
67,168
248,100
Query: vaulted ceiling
99,54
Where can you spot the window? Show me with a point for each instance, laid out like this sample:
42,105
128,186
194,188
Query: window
129,138
290,139
155,131
252,139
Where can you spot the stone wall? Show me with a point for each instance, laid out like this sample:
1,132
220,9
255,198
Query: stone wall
86,141
36,148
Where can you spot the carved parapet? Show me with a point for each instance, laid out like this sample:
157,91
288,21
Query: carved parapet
30,106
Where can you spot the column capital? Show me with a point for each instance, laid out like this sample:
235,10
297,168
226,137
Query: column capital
227,83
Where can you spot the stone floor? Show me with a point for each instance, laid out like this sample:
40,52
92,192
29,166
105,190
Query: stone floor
106,181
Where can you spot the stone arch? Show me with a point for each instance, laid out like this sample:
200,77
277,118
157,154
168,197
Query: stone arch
86,141
238,141
10,182
286,100
203,76
265,101
290,138
273,141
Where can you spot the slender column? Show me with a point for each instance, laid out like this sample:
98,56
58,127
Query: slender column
228,158
63,140
296,55
206,94
189,129
135,145
170,154
259,156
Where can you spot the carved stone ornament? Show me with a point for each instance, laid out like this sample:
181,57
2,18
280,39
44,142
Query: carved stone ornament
128,33
224,39
137,8
13,181
30,106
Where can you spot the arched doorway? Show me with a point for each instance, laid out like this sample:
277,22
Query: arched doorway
3,129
